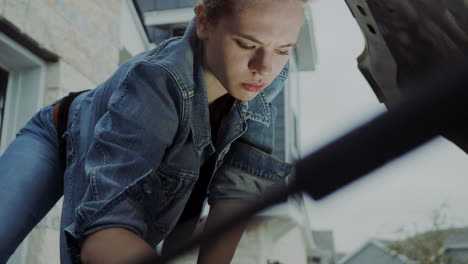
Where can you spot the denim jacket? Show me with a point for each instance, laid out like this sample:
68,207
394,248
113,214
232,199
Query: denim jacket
136,143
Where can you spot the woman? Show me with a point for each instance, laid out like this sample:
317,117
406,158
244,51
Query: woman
194,113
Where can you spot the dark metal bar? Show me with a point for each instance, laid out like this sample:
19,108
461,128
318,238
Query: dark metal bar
416,121
404,38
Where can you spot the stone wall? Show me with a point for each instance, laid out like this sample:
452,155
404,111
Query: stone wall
84,34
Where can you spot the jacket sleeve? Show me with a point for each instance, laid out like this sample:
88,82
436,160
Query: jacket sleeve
122,186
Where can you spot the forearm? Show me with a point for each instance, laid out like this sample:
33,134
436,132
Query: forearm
115,246
221,250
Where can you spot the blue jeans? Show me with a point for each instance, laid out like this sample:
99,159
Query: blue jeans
31,180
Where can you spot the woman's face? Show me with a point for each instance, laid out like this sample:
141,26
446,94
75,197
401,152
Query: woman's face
246,51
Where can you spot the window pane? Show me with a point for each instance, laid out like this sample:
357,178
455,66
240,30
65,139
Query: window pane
157,34
160,33
146,5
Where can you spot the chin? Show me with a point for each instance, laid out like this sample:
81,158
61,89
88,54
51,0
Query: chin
245,96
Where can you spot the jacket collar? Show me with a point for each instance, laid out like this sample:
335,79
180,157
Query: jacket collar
200,118
258,109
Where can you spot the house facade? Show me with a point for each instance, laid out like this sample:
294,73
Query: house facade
49,48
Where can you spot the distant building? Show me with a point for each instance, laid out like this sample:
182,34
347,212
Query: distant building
456,253
324,251
52,47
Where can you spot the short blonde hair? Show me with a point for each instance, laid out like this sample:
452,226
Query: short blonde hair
218,8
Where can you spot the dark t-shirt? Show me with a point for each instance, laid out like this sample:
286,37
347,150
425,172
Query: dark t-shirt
194,206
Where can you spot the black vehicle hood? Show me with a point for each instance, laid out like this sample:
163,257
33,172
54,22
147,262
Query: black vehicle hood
407,40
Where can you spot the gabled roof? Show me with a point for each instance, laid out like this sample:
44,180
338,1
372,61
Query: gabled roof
385,251
456,236
455,248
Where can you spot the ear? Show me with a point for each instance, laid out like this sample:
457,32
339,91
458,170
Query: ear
202,22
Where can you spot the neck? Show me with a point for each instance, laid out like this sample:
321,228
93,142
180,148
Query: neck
214,89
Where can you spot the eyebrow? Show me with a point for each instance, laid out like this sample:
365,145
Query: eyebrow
251,38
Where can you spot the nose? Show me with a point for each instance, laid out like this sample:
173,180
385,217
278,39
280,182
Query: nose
261,63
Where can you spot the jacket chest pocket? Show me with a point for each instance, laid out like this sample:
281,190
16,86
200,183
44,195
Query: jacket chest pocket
175,182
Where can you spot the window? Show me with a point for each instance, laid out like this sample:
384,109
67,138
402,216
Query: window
164,4
23,68
273,262
296,133
314,260
165,19
160,33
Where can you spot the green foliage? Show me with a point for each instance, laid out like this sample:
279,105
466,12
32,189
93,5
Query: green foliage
426,247
422,248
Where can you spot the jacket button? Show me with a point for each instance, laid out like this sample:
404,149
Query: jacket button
237,126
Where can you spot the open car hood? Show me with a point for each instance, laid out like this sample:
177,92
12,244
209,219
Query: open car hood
406,40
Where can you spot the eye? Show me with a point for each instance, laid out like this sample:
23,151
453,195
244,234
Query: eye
244,46
282,52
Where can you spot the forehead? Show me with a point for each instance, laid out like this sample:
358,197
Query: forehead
268,20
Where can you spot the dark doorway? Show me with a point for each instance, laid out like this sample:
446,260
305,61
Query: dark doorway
3,89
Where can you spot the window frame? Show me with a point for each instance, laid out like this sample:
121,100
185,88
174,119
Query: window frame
25,87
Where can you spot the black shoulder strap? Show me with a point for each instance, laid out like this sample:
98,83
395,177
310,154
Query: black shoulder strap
62,122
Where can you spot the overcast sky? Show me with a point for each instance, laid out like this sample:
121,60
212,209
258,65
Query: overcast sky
336,98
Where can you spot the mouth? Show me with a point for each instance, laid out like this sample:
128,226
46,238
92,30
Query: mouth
253,87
